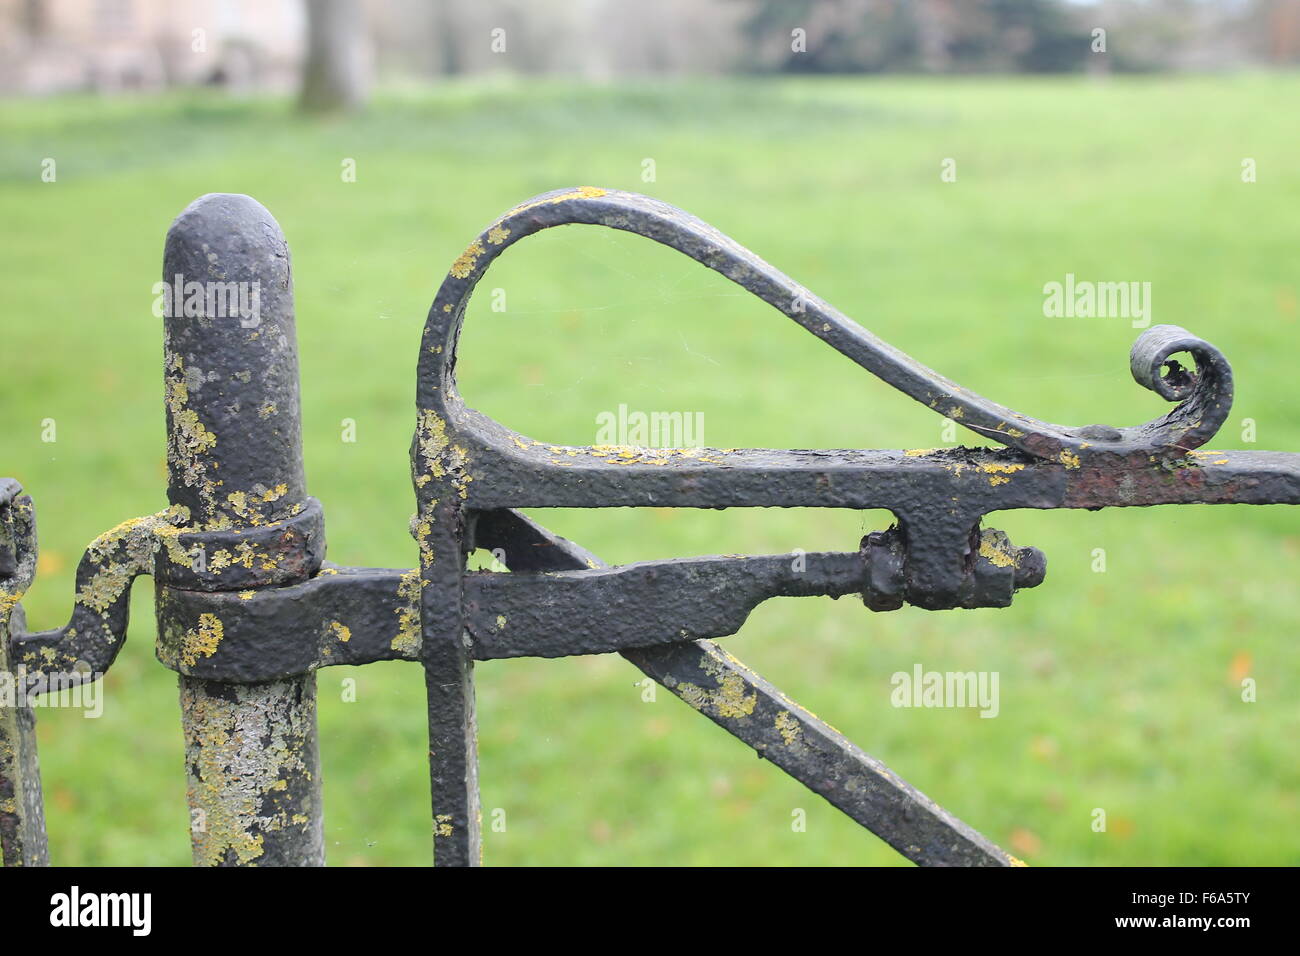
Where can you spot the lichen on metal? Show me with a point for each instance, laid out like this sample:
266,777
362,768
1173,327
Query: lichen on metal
252,767
727,700
248,610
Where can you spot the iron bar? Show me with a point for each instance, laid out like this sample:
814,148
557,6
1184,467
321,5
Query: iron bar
234,460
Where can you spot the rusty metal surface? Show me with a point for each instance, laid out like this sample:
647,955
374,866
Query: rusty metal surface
247,608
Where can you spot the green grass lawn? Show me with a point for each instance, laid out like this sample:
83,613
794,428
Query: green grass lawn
1119,690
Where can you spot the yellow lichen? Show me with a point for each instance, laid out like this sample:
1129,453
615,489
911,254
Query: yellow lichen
728,699
440,457
201,641
188,439
995,548
422,531
582,192
244,754
407,641
998,472
464,263
126,551
788,727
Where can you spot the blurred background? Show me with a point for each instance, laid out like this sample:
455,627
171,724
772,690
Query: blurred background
927,166
53,46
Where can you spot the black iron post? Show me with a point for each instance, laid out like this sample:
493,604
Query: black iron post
234,459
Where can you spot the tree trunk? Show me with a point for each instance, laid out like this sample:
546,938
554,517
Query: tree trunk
335,74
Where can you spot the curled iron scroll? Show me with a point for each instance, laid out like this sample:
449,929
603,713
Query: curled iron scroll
1204,393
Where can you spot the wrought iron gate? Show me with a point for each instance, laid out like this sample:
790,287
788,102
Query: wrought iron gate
248,609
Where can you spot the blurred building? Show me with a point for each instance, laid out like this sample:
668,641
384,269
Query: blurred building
52,46
55,46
